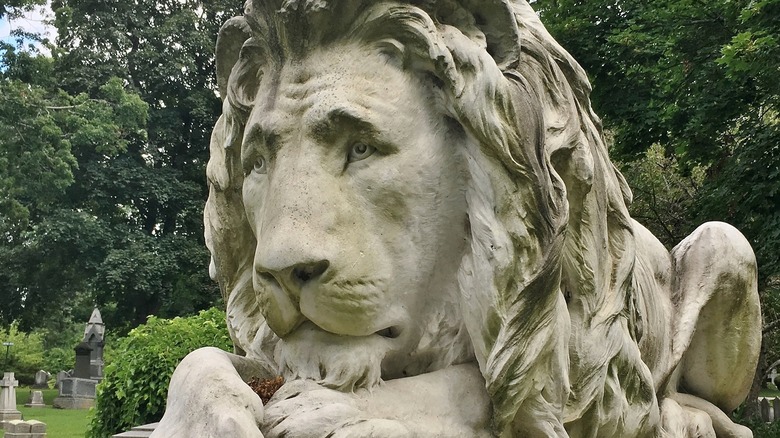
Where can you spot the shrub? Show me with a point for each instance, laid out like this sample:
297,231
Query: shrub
26,355
761,429
136,380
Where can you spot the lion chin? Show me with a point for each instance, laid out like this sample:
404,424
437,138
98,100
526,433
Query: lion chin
345,363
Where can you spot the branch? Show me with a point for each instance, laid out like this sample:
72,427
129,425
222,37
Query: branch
65,107
771,326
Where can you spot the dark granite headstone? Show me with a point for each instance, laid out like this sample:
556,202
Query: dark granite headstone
83,355
94,336
77,391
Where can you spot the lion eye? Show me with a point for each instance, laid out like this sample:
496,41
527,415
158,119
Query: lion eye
259,166
360,151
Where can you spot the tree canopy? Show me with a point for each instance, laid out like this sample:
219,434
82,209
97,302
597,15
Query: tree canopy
103,149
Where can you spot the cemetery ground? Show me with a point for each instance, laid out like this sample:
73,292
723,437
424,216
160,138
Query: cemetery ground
60,423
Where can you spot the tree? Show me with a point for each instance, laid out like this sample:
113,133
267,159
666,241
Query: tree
655,71
664,194
749,182
152,194
13,8
49,247
105,206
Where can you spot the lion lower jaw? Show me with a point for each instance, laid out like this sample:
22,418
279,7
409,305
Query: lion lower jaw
345,363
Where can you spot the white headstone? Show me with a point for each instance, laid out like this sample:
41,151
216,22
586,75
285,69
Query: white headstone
772,376
8,409
36,400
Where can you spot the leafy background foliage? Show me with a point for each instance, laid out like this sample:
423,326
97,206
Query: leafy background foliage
103,147
140,365
29,353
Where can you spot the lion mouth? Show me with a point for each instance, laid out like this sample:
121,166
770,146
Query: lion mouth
391,332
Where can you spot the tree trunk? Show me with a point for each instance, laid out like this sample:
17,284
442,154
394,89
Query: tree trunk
751,403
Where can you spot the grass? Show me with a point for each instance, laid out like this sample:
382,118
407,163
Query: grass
769,391
60,423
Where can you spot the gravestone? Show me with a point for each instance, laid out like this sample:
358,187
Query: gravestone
37,429
42,379
766,410
776,409
94,334
62,375
83,357
142,431
36,400
25,429
8,409
77,391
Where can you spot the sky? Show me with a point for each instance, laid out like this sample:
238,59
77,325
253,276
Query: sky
31,22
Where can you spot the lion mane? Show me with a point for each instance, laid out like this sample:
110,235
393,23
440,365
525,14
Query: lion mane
551,259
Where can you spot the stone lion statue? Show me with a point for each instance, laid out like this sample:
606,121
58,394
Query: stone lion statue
413,219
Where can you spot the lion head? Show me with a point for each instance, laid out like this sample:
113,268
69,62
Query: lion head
413,185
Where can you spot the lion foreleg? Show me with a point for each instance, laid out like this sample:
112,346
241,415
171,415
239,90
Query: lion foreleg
680,422
717,329
721,424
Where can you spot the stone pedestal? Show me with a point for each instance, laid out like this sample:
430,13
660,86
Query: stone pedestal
8,409
62,375
36,400
76,393
138,431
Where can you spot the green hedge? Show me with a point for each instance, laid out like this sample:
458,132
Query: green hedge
134,389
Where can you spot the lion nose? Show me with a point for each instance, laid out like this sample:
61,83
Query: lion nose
305,272
279,287
294,277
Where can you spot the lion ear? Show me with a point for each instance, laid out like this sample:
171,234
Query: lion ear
231,38
496,20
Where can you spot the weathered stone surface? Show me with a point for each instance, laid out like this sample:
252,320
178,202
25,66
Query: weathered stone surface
419,193
8,411
25,429
37,426
17,426
142,431
73,403
76,393
94,334
83,357
134,434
